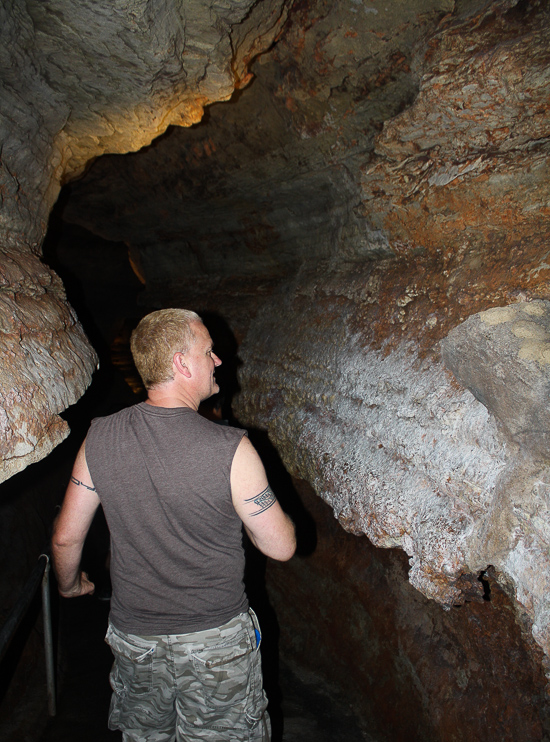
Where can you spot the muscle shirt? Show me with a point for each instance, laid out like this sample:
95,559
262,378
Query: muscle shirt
163,478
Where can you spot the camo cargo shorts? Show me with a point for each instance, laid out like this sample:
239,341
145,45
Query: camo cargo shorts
201,686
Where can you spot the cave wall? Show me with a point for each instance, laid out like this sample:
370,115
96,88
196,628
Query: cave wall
411,671
379,426
79,80
379,189
369,214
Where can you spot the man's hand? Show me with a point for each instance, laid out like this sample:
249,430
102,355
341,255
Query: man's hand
82,586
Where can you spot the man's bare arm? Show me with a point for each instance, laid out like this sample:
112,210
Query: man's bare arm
268,527
70,529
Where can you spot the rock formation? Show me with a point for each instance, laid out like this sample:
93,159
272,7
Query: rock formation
369,212
380,193
79,80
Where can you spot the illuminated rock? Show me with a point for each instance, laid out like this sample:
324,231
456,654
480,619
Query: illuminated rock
79,80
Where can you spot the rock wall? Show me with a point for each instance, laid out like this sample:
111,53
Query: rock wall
412,671
457,187
383,179
369,215
79,80
403,453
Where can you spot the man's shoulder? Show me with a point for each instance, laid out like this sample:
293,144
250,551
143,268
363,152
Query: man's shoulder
219,429
121,414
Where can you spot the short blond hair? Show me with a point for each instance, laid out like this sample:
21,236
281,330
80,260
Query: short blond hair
155,340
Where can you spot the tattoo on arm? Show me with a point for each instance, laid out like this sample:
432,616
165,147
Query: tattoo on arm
81,484
264,500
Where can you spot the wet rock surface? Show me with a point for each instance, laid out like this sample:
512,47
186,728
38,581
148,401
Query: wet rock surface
47,361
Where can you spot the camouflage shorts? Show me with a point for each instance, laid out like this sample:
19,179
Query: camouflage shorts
201,686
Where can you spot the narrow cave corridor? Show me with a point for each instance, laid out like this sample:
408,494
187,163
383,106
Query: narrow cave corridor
304,705
355,197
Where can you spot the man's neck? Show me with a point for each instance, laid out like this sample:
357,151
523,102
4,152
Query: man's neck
165,396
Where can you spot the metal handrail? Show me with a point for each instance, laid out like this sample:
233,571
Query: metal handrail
41,572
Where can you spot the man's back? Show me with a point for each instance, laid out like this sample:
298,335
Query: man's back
163,478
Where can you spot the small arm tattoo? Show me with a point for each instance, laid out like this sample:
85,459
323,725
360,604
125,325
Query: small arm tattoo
81,484
264,500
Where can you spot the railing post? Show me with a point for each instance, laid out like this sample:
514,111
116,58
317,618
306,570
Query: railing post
48,641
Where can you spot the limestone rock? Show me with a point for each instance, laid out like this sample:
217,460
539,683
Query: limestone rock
398,452
401,453
502,355
45,360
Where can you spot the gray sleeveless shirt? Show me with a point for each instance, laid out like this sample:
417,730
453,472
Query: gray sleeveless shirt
163,478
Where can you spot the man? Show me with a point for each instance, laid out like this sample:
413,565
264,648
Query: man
176,490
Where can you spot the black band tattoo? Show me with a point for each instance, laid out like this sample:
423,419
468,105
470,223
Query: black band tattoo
77,481
264,500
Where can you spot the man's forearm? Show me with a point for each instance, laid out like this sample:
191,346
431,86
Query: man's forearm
66,562
71,581
279,544
70,529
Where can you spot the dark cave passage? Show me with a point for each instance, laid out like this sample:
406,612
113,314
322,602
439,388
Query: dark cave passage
304,706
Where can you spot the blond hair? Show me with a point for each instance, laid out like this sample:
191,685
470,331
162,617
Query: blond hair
155,340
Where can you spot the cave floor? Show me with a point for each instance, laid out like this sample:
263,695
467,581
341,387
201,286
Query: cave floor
309,710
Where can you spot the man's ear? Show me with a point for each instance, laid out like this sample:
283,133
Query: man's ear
179,363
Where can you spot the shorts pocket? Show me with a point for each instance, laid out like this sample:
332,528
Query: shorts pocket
223,670
133,667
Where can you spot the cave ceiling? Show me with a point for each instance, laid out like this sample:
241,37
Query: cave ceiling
360,189
272,179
